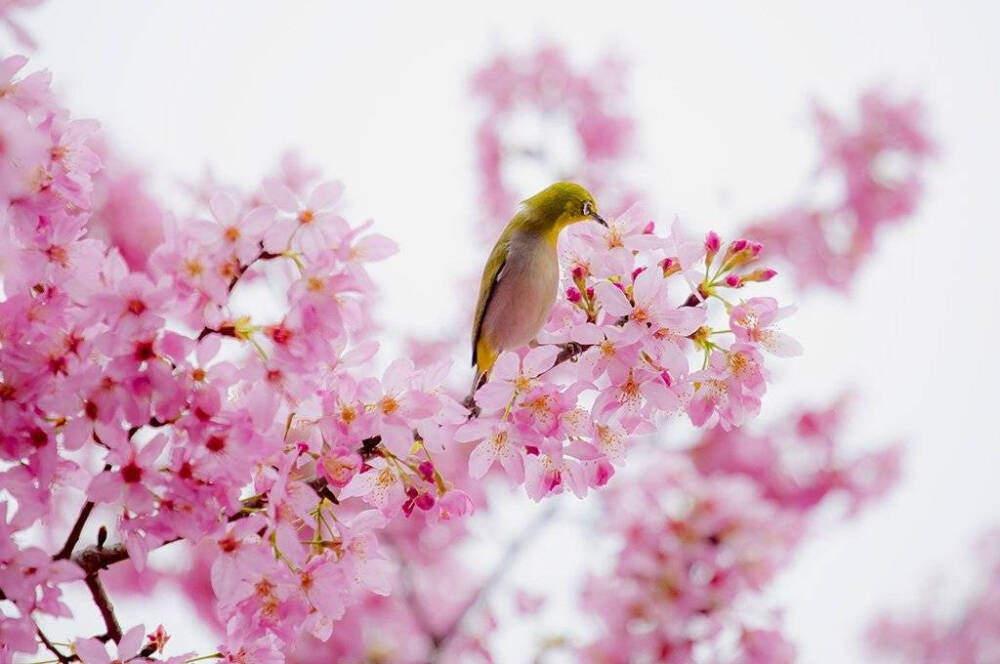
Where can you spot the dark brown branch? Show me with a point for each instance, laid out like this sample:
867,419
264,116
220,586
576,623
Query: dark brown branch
74,534
95,558
103,602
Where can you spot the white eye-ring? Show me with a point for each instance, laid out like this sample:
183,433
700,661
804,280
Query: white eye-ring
586,208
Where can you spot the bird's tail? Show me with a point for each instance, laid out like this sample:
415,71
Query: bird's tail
486,355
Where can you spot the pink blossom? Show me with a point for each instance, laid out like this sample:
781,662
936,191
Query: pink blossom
92,651
310,225
753,322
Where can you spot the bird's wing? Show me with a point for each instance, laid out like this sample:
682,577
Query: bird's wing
491,276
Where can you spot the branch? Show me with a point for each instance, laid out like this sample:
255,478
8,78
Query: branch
506,561
74,534
63,659
103,603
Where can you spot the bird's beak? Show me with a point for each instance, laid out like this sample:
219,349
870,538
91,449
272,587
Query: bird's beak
599,219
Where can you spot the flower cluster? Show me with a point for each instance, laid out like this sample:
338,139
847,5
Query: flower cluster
795,462
878,167
692,550
145,385
544,83
933,635
214,379
631,324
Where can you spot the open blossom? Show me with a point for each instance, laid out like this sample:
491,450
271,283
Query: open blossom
241,230
92,651
753,323
512,376
131,472
308,225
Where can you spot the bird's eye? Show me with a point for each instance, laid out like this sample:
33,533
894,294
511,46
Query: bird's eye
586,209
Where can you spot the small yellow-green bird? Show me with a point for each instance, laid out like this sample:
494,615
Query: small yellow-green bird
521,277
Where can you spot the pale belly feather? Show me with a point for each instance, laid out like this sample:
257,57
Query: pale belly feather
524,295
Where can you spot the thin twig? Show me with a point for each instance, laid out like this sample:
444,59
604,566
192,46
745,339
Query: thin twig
63,659
410,595
501,569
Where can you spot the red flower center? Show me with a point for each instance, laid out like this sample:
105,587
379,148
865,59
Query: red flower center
131,473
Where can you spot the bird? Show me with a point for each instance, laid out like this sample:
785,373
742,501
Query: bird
521,276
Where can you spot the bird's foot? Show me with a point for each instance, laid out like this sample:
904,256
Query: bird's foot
571,350
470,405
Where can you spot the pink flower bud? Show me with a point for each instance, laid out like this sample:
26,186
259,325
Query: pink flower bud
734,281
426,471
712,243
590,292
577,273
737,246
649,228
670,266
573,295
667,379
425,501
765,274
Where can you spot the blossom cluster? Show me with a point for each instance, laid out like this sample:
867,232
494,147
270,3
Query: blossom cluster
936,634
213,379
878,168
691,548
635,315
151,392
513,87
795,462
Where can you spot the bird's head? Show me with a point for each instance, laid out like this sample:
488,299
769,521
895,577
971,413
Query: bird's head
558,206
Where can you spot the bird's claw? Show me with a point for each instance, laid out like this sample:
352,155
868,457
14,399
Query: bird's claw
470,405
571,351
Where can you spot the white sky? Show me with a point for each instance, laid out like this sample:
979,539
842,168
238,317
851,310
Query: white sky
376,94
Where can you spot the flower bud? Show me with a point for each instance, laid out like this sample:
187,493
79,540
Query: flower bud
712,242
573,295
670,266
425,501
712,245
649,228
765,274
426,470
590,292
734,280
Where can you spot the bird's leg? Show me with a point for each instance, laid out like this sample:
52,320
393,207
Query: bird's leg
470,405
470,401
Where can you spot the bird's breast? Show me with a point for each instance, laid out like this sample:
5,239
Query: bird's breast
524,294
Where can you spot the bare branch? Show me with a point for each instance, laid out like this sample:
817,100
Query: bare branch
63,659
103,602
483,592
